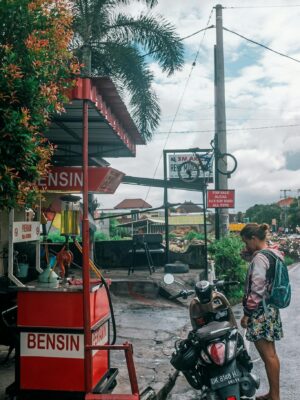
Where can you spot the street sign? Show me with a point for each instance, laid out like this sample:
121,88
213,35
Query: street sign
176,160
220,199
70,179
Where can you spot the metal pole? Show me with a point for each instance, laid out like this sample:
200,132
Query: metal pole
166,207
85,255
205,232
220,117
217,218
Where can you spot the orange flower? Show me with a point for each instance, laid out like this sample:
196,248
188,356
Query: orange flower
14,71
25,117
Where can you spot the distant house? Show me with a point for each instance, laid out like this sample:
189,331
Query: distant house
132,204
285,202
183,222
188,207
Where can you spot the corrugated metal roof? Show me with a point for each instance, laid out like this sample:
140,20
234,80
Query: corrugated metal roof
112,132
184,219
178,220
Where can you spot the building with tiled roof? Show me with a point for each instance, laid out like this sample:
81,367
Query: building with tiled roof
188,207
285,202
132,204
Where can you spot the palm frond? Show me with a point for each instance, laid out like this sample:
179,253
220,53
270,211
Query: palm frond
155,35
123,63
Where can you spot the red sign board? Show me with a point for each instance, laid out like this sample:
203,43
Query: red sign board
70,179
220,199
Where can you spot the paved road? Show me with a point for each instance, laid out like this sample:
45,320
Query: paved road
288,350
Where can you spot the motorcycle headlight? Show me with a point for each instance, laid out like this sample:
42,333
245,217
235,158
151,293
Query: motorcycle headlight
216,352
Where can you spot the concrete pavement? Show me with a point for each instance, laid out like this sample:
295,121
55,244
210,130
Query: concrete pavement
287,349
152,324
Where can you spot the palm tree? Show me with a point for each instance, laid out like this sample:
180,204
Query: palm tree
111,43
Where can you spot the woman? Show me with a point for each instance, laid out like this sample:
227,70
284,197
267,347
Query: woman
263,324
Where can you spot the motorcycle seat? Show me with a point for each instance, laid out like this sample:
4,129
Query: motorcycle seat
214,330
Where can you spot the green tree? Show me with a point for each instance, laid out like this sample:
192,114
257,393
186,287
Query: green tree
36,71
110,42
264,213
294,214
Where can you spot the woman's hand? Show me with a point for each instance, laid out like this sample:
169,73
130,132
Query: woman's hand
244,321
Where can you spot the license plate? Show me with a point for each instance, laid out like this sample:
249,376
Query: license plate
226,379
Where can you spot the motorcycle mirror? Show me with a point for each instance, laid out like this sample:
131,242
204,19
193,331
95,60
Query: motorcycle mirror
169,279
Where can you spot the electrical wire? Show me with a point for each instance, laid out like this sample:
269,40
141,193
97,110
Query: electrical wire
196,33
236,129
261,45
183,38
180,100
272,6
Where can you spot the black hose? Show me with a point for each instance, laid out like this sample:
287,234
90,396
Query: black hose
113,321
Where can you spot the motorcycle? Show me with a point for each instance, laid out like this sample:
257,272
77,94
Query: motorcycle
213,358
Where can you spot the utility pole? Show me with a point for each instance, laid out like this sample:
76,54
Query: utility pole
285,191
222,216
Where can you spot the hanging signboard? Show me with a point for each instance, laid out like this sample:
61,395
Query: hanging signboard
220,198
26,231
185,166
70,179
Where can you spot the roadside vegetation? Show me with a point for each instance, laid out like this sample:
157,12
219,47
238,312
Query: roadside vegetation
229,265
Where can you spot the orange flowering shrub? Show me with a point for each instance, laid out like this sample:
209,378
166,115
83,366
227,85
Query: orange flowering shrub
36,72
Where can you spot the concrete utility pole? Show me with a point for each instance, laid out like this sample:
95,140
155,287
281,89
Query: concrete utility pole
285,191
222,216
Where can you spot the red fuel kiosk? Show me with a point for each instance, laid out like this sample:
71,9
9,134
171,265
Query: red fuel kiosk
64,347
52,339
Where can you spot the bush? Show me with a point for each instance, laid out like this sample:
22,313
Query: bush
288,260
229,265
100,236
194,235
56,237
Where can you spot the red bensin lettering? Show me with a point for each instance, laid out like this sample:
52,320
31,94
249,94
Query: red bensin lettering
48,341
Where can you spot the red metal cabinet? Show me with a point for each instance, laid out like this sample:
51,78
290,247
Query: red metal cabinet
52,338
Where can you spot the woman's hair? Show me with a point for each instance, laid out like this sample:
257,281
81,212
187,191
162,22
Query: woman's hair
259,231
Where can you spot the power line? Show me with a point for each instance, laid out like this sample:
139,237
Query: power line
236,129
181,39
262,45
274,6
181,99
196,33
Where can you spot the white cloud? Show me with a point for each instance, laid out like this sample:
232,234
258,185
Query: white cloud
262,90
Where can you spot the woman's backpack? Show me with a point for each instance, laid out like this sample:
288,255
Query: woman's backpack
279,295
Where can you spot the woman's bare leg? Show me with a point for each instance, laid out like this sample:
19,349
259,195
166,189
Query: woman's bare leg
269,356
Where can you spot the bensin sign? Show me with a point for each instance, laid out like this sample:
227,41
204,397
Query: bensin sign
100,179
26,231
60,345
220,199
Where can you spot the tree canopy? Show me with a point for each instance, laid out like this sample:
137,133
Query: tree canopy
112,43
36,71
264,213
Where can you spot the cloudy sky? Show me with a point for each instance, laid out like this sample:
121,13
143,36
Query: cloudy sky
262,101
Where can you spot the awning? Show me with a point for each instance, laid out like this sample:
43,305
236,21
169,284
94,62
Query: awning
112,132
